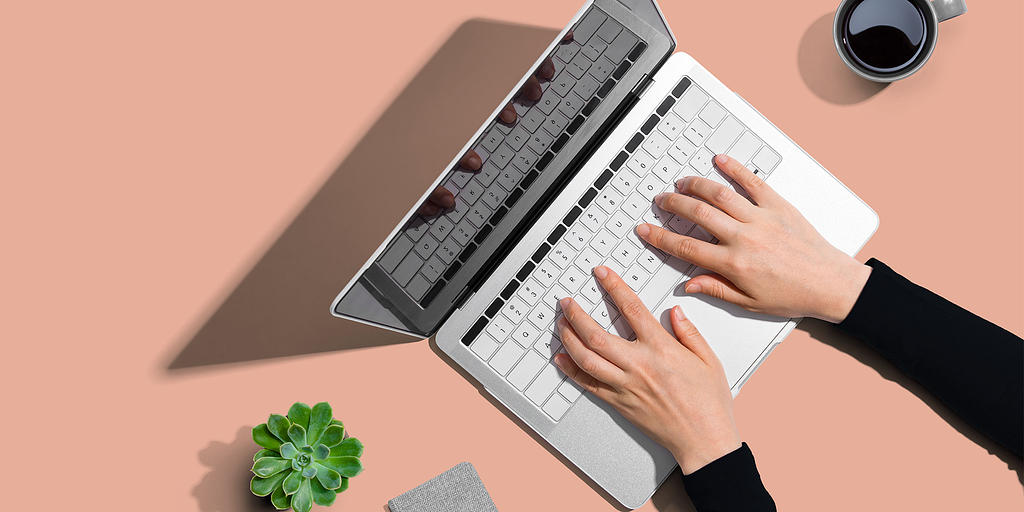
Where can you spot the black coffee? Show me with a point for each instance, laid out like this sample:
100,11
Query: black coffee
884,36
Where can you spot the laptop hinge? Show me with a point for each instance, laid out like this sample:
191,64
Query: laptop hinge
641,86
467,294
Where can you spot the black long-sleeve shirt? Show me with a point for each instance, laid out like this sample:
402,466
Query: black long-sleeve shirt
971,364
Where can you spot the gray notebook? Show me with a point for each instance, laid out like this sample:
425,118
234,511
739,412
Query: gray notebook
457,490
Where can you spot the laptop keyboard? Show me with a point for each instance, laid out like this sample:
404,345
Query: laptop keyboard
433,249
517,336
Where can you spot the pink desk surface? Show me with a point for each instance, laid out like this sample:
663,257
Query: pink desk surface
183,193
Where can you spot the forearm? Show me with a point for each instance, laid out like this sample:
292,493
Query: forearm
971,364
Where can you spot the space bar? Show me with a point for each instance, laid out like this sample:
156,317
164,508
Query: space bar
664,280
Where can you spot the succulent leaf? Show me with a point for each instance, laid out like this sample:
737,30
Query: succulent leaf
321,452
264,486
265,453
337,422
296,466
297,433
350,447
268,466
321,495
302,501
261,435
278,426
347,466
327,477
307,449
299,413
333,435
280,500
291,482
289,451
344,485
319,419
309,471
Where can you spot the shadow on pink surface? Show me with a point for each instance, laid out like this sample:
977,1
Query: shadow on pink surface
281,307
861,351
824,71
226,487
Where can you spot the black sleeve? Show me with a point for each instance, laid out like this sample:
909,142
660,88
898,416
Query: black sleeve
729,483
971,364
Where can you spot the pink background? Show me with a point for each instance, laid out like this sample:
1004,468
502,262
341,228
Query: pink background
161,166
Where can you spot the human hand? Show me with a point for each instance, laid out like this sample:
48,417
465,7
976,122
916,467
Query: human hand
672,387
769,259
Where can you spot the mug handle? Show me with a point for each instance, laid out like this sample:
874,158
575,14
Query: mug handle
946,9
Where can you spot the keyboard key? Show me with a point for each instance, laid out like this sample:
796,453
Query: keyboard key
417,287
494,197
570,390
526,370
681,150
416,228
526,334
563,83
702,160
433,268
600,71
579,65
588,259
594,217
666,169
651,258
603,242
541,316
620,46
713,113
547,380
586,87
530,292
608,200
500,328
691,103
554,125
393,256
651,186
641,162
586,28
549,100
577,237
553,295
571,105
546,273
457,212
571,279
406,269
548,344
562,255
635,205
625,253
518,137
604,313
484,347
636,277
515,310
766,159
472,192
608,31
655,215
556,407
724,136
442,226
502,156
625,182
509,179
592,292
680,225
671,126
506,357
463,232
478,215
425,247
697,132
533,119
492,140
567,51
620,223
540,141
594,48
745,148
656,144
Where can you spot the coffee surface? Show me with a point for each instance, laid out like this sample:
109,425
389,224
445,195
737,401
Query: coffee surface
884,36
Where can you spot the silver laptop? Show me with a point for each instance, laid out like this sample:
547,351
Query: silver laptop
560,191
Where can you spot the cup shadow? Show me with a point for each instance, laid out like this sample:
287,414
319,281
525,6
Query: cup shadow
225,488
862,352
825,73
281,307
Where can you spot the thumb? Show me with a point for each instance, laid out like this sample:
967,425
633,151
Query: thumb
690,337
714,285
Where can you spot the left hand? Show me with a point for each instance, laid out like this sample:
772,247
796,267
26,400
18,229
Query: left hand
672,387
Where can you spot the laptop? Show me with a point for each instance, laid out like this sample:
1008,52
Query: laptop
560,190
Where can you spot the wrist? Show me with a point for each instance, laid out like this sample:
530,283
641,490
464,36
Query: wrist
695,458
847,283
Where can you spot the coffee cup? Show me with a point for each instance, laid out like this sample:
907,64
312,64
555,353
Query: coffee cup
888,40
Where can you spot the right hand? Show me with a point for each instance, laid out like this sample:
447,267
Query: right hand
769,259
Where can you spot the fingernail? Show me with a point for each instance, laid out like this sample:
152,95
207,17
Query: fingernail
681,184
658,198
474,162
693,288
601,272
507,116
643,230
564,303
722,159
558,360
678,313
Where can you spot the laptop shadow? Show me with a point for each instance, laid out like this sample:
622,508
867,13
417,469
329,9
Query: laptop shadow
281,307
824,71
861,351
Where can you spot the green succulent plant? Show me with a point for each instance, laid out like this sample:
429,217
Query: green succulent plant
306,458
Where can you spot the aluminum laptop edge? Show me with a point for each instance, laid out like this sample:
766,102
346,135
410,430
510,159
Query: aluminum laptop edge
593,436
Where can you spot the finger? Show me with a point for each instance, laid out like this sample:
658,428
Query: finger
639,318
758,190
584,379
508,114
531,89
712,219
690,337
609,346
698,252
428,208
714,285
546,69
589,360
442,197
567,38
725,198
471,160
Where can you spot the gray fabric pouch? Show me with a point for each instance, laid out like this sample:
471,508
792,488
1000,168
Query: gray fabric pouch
457,490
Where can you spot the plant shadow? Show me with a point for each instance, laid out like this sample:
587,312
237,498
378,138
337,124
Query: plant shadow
862,352
824,71
225,488
281,307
